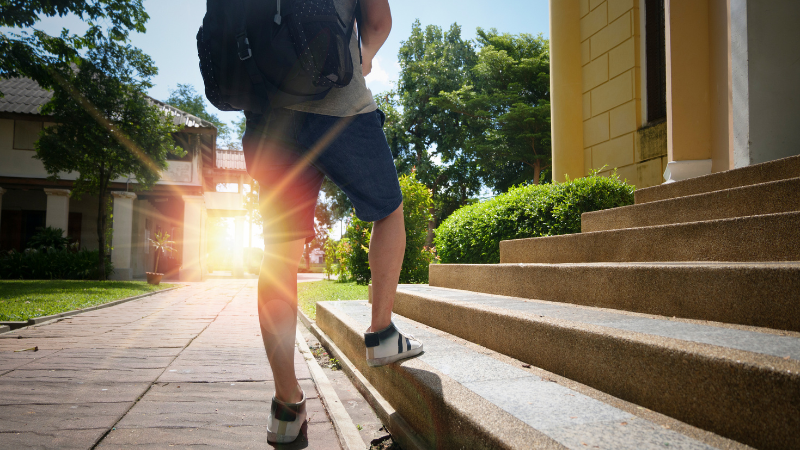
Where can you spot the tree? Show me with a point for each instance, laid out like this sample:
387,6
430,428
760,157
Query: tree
186,98
506,106
428,138
33,54
107,128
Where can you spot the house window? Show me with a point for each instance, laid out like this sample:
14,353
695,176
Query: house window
26,133
655,53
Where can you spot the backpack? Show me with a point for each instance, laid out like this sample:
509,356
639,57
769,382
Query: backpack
256,55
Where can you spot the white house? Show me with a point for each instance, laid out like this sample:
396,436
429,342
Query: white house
178,204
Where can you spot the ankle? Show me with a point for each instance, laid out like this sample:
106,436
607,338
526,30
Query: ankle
378,326
294,396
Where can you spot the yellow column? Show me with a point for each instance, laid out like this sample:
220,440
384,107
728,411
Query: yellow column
566,107
688,96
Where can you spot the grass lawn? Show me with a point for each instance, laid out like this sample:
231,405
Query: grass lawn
26,299
308,294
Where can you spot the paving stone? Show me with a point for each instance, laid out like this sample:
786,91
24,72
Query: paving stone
82,416
102,368
55,439
13,360
87,374
319,436
15,392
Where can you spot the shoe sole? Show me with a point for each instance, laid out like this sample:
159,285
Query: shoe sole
275,438
377,362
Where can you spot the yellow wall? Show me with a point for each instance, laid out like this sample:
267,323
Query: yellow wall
612,99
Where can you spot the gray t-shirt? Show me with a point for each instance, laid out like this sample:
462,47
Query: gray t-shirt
355,98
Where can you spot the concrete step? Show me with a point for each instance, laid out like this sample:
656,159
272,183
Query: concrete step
765,198
779,169
772,237
757,294
739,382
458,395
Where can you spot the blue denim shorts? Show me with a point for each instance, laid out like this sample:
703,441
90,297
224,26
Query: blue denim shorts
290,152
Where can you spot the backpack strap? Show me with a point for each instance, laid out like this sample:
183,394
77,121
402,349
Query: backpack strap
357,15
273,97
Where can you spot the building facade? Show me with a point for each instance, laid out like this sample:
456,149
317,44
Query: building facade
664,90
179,203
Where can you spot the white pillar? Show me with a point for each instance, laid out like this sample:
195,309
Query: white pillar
122,235
57,209
191,269
2,191
238,254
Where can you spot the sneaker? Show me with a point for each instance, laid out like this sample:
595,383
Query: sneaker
390,345
285,420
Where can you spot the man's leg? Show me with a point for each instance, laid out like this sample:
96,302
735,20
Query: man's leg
386,249
277,314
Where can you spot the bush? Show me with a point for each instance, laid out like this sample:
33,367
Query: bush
50,263
472,234
48,237
336,258
417,203
358,235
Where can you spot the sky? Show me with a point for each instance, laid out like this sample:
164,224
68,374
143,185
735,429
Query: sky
173,24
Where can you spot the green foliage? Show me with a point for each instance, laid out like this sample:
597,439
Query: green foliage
35,54
417,204
161,244
26,299
358,235
472,234
186,98
336,258
51,263
426,138
506,106
48,237
107,128
468,115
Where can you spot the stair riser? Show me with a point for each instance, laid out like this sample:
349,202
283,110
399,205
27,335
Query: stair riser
780,169
421,396
712,391
774,237
759,296
769,198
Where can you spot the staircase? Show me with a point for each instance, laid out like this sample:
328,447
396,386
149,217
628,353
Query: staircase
671,323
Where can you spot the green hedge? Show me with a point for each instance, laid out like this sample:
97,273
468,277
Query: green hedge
49,263
472,234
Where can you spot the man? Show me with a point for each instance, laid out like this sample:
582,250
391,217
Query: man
289,152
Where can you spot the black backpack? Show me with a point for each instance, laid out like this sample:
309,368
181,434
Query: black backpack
256,55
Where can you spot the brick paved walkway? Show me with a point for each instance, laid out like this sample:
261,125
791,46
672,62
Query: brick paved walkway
180,368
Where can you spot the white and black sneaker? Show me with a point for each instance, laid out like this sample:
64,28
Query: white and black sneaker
389,345
285,420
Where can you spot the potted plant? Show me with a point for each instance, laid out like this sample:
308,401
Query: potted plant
161,243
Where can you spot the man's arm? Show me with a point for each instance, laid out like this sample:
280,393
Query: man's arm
377,18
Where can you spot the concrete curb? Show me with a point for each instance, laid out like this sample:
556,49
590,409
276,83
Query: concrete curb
401,432
349,437
42,319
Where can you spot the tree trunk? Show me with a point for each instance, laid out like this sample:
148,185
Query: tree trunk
431,226
537,170
101,226
158,256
